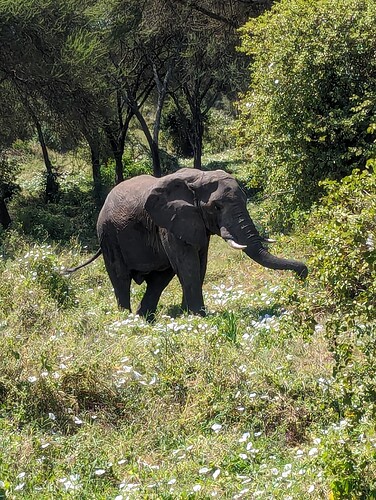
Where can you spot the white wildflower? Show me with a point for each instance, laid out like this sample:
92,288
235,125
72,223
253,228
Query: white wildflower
99,472
216,427
216,473
204,470
370,242
244,437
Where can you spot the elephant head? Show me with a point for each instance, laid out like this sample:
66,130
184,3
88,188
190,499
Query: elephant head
192,204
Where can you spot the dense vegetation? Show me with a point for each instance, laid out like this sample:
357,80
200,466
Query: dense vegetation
272,395
84,71
310,110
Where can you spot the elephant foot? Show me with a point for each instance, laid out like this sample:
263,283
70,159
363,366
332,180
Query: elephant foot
150,316
193,310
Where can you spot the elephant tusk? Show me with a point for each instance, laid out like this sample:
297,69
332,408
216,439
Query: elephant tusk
235,246
269,240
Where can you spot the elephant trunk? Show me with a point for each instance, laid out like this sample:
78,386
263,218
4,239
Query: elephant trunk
259,254
245,233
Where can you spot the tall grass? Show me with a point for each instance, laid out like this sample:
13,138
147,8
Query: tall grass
97,403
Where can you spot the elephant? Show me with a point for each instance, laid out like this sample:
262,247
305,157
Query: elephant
151,229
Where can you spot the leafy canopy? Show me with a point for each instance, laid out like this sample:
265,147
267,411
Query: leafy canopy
309,113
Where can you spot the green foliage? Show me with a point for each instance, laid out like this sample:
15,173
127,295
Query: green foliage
48,274
218,135
133,165
175,128
341,300
8,171
344,238
309,113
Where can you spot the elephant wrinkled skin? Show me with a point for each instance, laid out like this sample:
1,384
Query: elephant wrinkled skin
150,229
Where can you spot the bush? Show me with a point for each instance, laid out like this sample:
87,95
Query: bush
8,171
175,127
342,298
218,135
345,243
309,113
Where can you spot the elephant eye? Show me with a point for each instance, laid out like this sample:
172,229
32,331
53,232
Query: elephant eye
217,206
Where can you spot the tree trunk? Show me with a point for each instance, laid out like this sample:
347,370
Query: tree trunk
156,159
198,130
5,219
197,152
92,138
52,186
118,145
95,164
162,92
119,168
117,154
154,150
96,169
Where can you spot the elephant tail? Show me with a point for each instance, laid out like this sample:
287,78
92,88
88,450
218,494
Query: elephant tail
74,269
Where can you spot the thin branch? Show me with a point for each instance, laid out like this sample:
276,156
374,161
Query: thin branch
208,13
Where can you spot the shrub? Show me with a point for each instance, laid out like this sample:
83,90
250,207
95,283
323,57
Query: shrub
309,113
8,171
175,127
344,240
342,297
218,135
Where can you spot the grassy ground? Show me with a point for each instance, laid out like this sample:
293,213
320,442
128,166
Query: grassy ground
96,403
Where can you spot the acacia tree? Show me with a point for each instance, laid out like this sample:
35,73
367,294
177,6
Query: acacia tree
41,41
143,46
209,64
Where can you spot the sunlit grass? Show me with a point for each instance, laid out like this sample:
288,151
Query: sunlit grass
97,403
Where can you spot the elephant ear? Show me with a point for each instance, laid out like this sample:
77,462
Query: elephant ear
172,205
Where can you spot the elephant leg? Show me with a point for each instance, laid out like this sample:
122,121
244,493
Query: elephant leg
185,261
203,256
190,281
156,283
119,276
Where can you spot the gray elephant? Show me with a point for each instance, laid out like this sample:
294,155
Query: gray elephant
150,229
